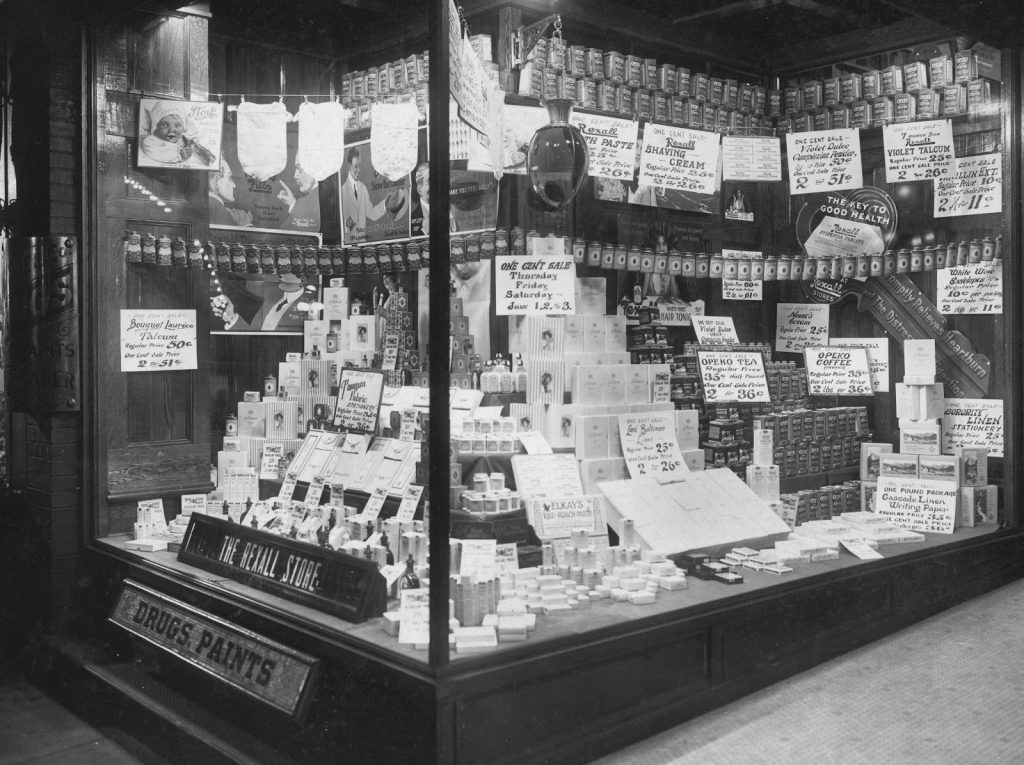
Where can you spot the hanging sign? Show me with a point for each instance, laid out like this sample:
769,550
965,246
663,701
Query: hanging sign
972,422
359,396
611,142
837,371
733,376
918,504
916,151
678,158
538,284
751,158
976,288
650,447
824,160
975,187
714,330
798,325
161,340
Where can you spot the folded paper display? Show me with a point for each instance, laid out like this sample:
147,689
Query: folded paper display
394,139
262,138
321,138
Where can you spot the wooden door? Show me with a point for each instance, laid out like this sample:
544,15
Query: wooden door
151,432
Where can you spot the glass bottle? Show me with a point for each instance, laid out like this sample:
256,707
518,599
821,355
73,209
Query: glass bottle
409,580
557,158
506,382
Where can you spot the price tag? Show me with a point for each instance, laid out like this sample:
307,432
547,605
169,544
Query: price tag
611,142
974,188
824,160
972,422
649,445
315,491
714,330
917,151
837,371
410,501
733,376
538,284
798,325
918,504
288,486
742,289
375,503
751,158
160,340
272,454
478,557
677,158
976,288
877,349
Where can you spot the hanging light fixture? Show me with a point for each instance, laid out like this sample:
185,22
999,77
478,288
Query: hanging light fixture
557,158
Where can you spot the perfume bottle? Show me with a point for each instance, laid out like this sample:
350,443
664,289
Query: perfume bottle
519,374
409,580
505,379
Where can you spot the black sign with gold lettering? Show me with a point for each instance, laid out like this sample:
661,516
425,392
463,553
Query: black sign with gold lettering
257,666
338,583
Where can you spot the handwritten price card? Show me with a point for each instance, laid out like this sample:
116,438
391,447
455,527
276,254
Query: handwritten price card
836,371
733,376
916,151
975,188
824,160
158,340
612,144
751,158
976,288
972,422
713,330
538,284
798,325
677,158
877,349
649,445
742,289
359,396
918,504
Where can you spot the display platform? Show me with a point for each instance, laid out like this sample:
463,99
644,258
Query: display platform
587,683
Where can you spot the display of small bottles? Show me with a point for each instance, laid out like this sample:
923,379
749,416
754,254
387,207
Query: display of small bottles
500,376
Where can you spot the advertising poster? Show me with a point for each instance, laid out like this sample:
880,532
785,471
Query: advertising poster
975,187
916,151
258,303
158,339
180,134
612,143
287,202
373,208
677,158
824,160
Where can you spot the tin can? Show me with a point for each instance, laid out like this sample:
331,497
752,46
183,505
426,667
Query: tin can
849,266
457,249
518,241
771,266
703,265
730,267
622,258
614,67
875,265
796,268
743,267
220,253
500,242
163,251
863,265
988,249
472,248
283,258
608,256
178,257
940,256
593,63
927,258
888,262
903,261
916,260
298,261
193,255
716,265
674,263
337,260
309,261
783,267
687,264
647,260
634,72
594,254
238,264
974,252
820,268
133,247
835,267
757,268
661,262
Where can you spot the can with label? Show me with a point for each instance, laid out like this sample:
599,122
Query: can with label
703,265
608,256
927,258
594,254
974,251
988,249
903,261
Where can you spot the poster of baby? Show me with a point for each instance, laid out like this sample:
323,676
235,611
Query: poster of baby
180,134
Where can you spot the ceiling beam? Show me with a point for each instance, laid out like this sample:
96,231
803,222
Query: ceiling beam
826,10
997,22
731,9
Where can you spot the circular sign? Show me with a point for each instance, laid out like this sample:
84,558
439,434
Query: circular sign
867,205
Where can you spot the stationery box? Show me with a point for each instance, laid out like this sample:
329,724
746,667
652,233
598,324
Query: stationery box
979,505
252,419
588,385
898,466
594,334
973,465
594,470
942,467
592,437
638,384
615,334
925,439
614,390
614,441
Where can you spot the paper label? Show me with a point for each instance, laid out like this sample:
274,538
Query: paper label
160,340
410,501
359,395
972,422
976,288
861,549
478,557
799,325
715,330
678,158
918,504
611,142
837,236
877,349
557,517
751,158
975,188
272,454
373,506
742,289
824,160
837,371
733,376
538,284
649,445
916,151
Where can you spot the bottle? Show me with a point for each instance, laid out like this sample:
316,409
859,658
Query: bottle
519,383
506,381
389,556
489,378
409,580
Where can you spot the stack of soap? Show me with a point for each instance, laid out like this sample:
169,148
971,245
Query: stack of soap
475,639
